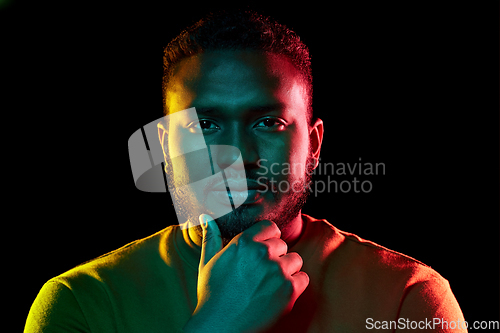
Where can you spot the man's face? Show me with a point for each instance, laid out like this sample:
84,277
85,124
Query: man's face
253,101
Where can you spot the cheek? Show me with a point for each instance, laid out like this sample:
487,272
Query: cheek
287,159
298,157
180,140
191,167
189,156
299,152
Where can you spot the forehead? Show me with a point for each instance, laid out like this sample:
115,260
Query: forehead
234,80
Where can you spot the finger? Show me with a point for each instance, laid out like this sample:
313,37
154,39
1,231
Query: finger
290,263
264,230
300,281
212,240
276,247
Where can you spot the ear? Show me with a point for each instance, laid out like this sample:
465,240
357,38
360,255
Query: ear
162,136
316,138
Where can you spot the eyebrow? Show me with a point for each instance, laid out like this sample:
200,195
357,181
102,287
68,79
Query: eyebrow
268,108
205,110
257,109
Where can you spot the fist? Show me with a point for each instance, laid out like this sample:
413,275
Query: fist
247,285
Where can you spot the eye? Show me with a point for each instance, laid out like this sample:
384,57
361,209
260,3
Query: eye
203,126
271,124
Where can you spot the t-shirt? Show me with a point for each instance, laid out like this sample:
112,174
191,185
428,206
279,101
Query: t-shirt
150,285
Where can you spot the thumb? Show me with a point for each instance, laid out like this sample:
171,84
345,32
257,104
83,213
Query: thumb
212,241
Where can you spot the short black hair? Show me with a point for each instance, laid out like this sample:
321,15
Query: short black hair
236,30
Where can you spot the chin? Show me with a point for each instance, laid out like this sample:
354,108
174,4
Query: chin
238,221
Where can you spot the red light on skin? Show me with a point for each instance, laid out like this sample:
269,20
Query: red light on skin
258,103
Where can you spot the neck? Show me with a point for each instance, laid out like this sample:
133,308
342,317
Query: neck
290,232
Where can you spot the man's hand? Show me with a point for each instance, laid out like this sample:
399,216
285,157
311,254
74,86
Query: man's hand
246,286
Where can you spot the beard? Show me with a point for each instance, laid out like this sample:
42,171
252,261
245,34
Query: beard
285,205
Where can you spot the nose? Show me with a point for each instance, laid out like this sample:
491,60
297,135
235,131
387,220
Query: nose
231,144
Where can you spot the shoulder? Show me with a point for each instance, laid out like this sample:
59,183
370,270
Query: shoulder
81,298
55,305
360,256
137,256
375,279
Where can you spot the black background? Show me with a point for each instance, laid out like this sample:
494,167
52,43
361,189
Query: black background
413,86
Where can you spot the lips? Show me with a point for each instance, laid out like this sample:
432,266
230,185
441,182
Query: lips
241,184
241,191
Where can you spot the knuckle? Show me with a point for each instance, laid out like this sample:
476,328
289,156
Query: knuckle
297,257
267,223
245,239
277,229
284,244
262,250
303,281
294,258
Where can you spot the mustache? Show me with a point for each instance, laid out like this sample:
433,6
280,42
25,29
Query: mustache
252,177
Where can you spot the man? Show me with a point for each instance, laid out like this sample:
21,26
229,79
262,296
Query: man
241,80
